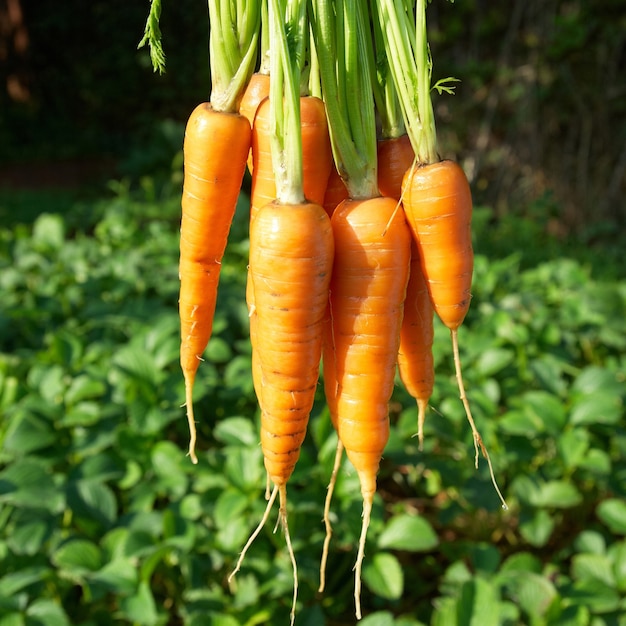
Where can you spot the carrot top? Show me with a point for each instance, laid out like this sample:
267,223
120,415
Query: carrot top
410,62
288,31
341,37
233,43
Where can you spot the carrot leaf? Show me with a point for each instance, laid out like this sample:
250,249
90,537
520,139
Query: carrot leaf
152,37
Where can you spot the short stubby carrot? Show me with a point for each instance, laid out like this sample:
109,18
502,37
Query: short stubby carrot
367,293
291,256
215,148
395,156
316,154
415,354
438,204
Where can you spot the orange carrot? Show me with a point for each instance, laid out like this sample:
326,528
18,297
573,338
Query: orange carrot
256,91
415,355
210,190
367,293
336,192
395,156
316,153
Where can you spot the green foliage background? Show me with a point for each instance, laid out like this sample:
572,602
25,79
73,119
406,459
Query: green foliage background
104,520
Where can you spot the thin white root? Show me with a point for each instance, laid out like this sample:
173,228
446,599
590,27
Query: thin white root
254,535
268,486
282,516
478,442
367,512
327,524
190,419
422,406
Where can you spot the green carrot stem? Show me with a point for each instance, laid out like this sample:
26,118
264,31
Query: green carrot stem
347,89
406,45
286,143
233,43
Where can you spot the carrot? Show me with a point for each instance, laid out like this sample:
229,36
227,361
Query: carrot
216,144
395,156
436,194
210,190
256,91
291,256
368,286
415,355
335,193
316,153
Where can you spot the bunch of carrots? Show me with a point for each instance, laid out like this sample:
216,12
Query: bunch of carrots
359,232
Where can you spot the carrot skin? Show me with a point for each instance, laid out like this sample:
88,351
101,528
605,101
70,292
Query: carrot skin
210,190
395,156
368,286
438,204
256,91
335,193
291,255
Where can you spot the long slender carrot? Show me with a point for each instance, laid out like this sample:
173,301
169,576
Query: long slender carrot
435,194
210,190
368,288
257,90
336,191
395,156
291,256
415,354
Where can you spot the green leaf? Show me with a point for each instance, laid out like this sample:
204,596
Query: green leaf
572,446
28,433
593,566
218,351
597,408
77,557
478,603
236,431
594,594
590,541
380,618
48,232
29,483
493,360
384,576
46,613
119,577
32,529
140,608
519,422
11,584
538,530
92,500
84,387
594,379
557,494
521,562
408,532
230,504
534,593
612,513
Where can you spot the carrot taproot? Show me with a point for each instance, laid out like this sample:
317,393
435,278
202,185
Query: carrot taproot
367,293
210,189
415,354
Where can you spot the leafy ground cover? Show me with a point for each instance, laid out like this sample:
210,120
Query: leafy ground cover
104,520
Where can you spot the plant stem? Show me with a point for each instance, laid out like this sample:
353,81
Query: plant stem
285,99
406,45
233,43
347,89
